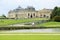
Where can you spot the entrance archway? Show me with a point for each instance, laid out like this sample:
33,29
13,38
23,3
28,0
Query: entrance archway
31,16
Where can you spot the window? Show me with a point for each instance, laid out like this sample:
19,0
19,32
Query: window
34,14
44,15
47,16
40,15
31,16
28,14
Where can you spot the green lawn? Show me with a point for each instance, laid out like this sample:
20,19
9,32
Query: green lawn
29,37
4,22
50,24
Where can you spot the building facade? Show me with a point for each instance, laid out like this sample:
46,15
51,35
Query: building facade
44,13
29,12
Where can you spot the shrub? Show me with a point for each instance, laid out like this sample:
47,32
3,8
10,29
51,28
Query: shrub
56,18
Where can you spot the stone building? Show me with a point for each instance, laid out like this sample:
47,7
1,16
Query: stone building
44,13
29,12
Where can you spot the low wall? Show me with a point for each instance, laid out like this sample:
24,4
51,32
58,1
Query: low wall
17,28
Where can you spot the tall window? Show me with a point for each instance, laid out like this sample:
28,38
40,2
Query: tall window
31,16
44,15
28,14
16,16
40,15
34,14
47,16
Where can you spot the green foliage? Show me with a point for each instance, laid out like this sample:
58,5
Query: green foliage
57,18
55,12
58,12
3,16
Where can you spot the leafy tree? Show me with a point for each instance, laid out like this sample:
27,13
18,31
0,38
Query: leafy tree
3,16
58,12
54,12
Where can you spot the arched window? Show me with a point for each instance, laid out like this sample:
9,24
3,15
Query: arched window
34,14
47,16
16,16
44,15
40,15
28,14
31,16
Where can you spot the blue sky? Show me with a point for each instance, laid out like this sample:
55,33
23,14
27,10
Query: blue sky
6,5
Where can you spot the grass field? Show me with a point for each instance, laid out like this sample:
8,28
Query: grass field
50,24
13,21
4,22
29,37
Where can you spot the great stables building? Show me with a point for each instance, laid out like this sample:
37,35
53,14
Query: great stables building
29,12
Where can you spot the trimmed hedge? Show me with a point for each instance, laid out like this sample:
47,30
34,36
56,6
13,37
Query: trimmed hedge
56,18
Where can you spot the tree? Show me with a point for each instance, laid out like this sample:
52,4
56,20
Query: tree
58,12
55,16
54,12
3,16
